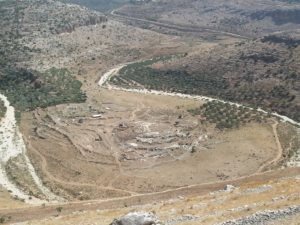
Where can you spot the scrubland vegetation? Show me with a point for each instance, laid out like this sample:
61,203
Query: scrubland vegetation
101,5
2,109
273,86
27,90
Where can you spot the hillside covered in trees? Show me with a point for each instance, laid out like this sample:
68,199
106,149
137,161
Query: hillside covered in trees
25,88
261,73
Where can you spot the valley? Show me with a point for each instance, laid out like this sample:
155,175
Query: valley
149,106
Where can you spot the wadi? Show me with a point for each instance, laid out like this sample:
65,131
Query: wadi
150,112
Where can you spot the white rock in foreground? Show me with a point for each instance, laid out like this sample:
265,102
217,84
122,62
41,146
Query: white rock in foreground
11,146
229,187
137,218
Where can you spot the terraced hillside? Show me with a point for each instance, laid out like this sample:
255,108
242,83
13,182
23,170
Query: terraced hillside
93,142
100,5
261,73
250,18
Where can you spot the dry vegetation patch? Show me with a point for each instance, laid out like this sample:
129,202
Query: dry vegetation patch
125,146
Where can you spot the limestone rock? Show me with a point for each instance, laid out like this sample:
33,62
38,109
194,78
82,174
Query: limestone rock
137,218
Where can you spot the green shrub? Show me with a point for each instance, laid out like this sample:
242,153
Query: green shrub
2,109
27,90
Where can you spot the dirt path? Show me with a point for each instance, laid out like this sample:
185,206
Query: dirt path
104,82
25,214
36,213
279,148
62,182
135,111
189,29
108,142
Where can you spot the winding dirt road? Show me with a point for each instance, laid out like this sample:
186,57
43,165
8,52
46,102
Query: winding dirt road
26,214
41,212
104,82
115,14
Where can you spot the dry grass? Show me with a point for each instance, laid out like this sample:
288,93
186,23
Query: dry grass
79,159
8,202
210,209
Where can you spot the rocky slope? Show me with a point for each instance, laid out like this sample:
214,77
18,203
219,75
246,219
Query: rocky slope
251,18
263,202
44,17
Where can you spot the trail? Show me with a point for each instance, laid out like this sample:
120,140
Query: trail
25,214
36,213
44,165
177,27
104,82
279,147
11,146
78,184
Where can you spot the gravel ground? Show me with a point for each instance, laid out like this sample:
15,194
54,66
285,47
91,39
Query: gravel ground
265,217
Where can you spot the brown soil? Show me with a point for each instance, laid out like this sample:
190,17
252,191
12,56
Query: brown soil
287,188
139,144
122,149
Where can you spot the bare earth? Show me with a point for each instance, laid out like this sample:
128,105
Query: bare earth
138,145
121,152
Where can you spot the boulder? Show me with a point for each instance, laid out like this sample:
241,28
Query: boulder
137,218
229,188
